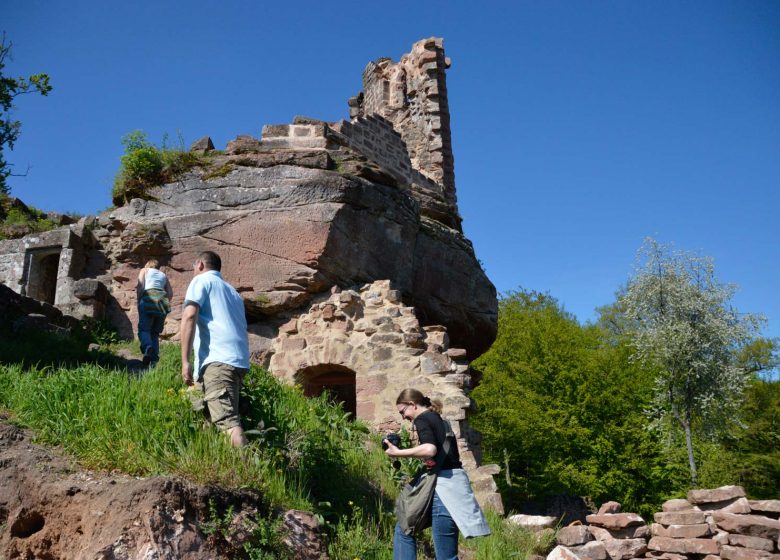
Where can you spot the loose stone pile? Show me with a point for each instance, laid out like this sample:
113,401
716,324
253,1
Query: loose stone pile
710,525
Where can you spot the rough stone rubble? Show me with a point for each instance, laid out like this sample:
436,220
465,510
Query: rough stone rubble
713,524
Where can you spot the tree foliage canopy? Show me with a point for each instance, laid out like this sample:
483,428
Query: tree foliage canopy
560,406
685,327
10,89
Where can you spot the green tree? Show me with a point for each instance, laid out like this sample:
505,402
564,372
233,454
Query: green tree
560,407
685,328
10,89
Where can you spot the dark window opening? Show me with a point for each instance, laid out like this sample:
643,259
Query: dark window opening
42,268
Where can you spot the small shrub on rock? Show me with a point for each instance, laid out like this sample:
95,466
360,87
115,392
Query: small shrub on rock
144,166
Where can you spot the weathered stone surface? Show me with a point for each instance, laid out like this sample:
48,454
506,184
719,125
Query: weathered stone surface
715,495
302,535
615,520
676,505
621,549
665,555
632,532
735,505
609,507
684,546
89,288
202,145
574,535
679,517
562,553
533,522
593,550
243,144
752,542
738,553
751,525
681,531
764,506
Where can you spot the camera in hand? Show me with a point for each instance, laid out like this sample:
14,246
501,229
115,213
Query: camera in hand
393,438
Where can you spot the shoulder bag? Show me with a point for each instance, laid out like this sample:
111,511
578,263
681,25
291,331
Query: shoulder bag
413,504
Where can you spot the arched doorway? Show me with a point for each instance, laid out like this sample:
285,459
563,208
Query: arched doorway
335,380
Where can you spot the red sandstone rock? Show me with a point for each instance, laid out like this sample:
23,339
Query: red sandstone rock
681,531
593,550
739,553
615,520
679,517
752,542
622,549
632,532
573,535
684,546
609,507
676,505
765,506
716,495
735,505
750,525
562,553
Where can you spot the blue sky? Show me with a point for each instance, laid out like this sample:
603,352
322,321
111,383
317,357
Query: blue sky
579,128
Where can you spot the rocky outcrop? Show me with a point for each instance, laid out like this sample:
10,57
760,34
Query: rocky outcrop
286,233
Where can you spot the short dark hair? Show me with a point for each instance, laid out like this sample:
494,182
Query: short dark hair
211,260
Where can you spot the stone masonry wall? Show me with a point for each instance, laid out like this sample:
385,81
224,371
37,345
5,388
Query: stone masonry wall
710,525
376,138
412,95
372,334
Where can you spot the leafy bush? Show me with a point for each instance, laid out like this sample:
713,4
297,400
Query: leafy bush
144,166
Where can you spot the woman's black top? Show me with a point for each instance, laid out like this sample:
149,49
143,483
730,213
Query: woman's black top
430,429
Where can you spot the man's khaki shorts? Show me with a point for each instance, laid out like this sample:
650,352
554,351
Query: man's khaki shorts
221,387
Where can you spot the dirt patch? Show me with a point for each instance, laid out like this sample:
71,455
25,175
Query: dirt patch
51,510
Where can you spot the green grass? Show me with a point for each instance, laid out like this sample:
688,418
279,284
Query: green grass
303,453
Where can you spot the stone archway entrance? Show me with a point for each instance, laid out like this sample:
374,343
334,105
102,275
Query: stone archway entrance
335,380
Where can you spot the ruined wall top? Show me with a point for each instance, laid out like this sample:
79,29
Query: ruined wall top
412,96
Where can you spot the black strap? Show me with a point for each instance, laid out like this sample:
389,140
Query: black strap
445,445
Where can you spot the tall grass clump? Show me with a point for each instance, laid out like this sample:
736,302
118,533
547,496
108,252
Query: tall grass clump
508,541
144,166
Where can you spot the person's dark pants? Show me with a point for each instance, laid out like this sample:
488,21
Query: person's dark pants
149,329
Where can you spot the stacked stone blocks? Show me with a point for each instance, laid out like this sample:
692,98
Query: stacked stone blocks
710,525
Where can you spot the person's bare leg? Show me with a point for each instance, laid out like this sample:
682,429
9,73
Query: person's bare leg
237,437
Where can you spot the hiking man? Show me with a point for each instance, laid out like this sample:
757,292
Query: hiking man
214,318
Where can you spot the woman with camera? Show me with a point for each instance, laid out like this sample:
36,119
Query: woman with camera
454,506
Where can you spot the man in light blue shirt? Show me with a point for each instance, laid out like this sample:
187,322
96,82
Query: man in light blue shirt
214,320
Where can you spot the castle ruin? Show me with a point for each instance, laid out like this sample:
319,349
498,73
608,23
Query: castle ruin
344,239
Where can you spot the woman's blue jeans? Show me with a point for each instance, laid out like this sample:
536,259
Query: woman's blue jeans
443,529
149,329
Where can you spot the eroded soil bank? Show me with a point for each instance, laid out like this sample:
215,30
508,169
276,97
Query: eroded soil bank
52,510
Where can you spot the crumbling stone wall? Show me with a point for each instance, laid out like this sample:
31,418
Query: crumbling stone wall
412,95
372,334
48,266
